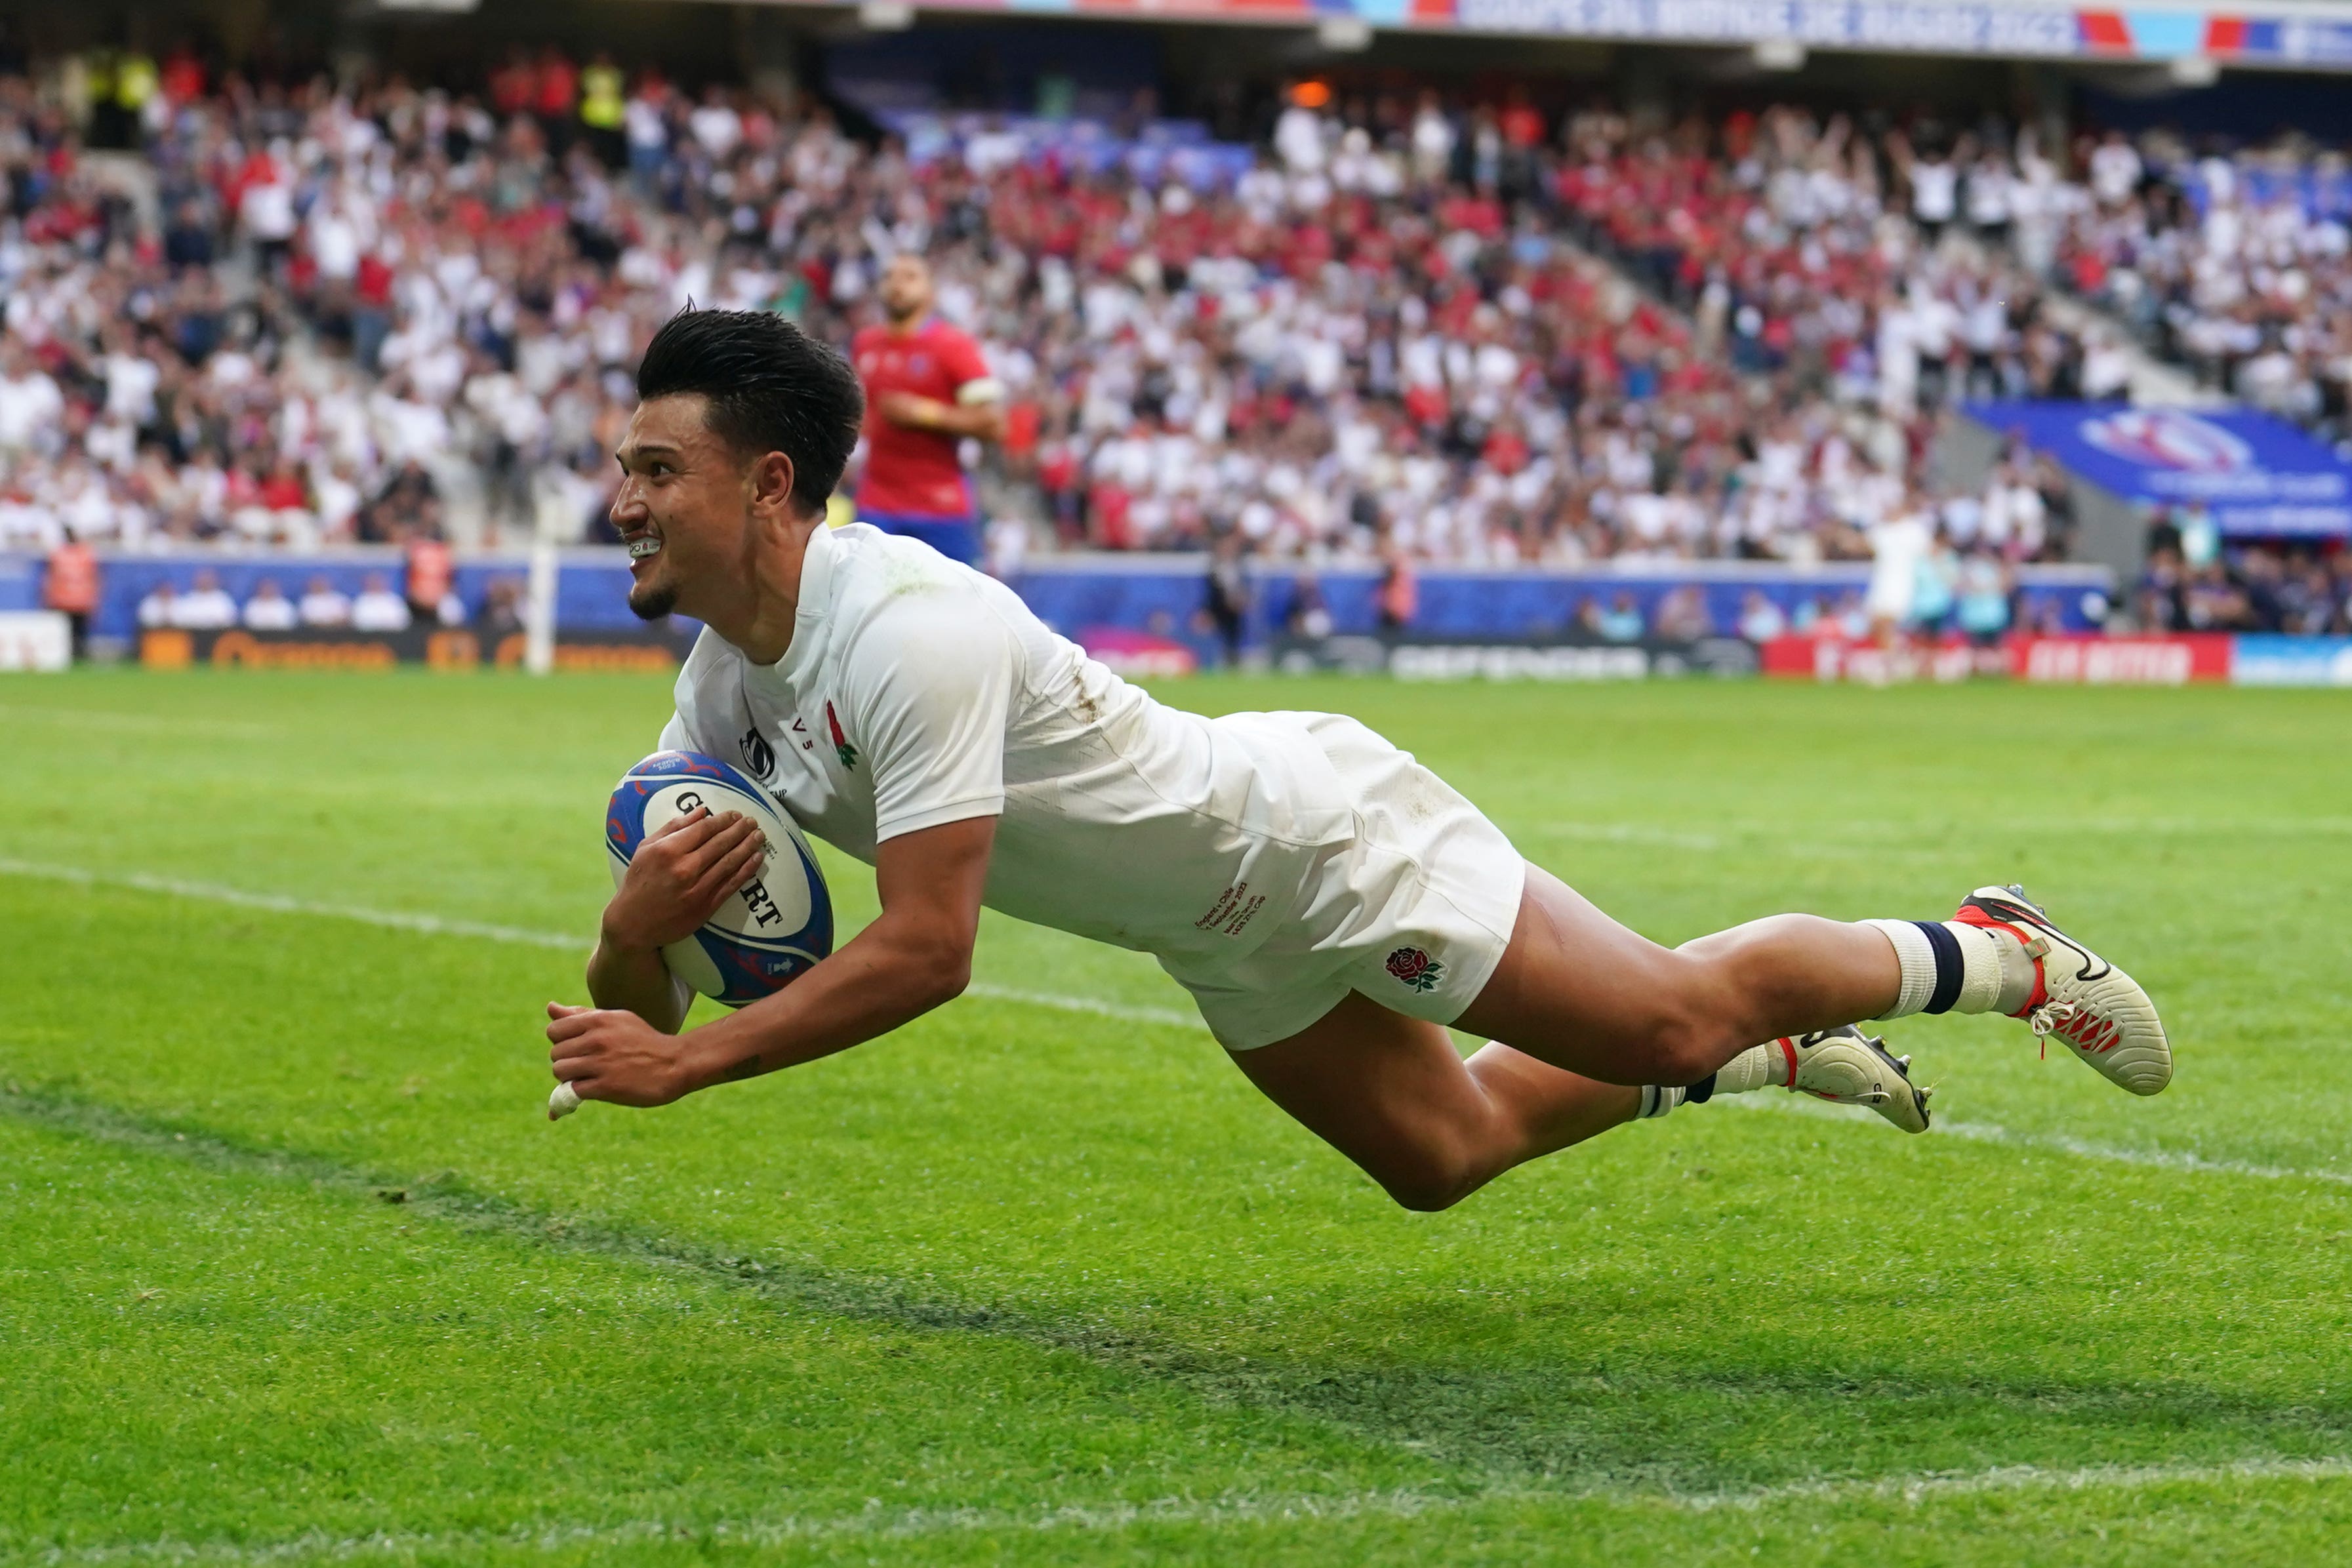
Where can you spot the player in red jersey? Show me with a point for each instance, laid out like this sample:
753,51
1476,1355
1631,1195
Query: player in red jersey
927,389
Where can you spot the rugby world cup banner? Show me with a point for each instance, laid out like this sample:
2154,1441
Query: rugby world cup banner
2008,28
2259,475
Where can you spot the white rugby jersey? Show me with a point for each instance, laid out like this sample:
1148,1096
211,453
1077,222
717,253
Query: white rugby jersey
917,691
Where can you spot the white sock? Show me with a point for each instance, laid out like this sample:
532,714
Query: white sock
1758,1067
1948,965
1915,956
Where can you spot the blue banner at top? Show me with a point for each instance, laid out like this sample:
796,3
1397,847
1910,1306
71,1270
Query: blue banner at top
2257,474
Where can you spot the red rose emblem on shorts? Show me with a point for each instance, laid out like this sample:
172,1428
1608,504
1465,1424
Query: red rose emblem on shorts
1415,969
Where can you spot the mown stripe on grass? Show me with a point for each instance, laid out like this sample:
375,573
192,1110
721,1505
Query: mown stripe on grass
1368,1405
444,1196
1170,1017
881,1524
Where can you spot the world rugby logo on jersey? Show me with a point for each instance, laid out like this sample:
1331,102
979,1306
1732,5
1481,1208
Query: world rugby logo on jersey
2168,438
758,755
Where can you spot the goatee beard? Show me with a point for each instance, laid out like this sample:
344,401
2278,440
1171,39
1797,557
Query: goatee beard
651,600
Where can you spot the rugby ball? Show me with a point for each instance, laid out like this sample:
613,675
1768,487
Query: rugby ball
767,934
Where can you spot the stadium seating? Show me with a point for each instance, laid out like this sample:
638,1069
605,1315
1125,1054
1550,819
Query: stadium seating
301,317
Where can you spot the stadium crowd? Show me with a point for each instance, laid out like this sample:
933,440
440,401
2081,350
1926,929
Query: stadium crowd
301,314
2236,263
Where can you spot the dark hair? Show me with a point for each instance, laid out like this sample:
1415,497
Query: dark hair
772,388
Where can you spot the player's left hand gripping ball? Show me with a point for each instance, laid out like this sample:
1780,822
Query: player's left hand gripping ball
768,931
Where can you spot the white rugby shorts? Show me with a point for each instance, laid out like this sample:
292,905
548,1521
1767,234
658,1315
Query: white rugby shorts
1413,908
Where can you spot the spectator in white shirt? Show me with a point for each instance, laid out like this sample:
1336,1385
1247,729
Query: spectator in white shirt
321,605
378,608
716,124
206,607
132,379
1935,189
1299,138
32,408
2106,368
266,207
2115,169
160,607
268,610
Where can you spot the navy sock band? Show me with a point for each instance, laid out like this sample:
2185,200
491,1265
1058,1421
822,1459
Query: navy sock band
1947,966
1697,1094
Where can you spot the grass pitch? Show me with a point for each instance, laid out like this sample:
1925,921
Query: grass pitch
291,1269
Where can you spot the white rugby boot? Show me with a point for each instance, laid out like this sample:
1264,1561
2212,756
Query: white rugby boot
1847,1067
2089,1005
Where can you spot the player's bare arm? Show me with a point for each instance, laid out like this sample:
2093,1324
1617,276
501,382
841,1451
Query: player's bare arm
914,957
983,420
906,294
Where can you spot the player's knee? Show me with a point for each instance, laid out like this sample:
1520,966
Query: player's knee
1428,1192
1683,1051
1432,1179
1685,1035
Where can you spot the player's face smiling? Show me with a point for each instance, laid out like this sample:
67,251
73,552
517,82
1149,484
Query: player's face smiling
683,508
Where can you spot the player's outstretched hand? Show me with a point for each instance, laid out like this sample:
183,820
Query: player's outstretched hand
608,1054
682,873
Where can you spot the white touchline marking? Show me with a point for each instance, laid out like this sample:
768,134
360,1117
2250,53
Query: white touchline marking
2156,1159
1875,838
215,893
436,925
2024,1477
139,723
1170,1018
1627,833
2055,1143
874,1524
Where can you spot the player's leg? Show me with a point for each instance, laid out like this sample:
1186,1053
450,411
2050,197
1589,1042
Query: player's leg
1391,1093
1577,989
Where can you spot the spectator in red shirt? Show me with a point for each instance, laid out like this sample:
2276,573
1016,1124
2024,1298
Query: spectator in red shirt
926,389
514,85
554,91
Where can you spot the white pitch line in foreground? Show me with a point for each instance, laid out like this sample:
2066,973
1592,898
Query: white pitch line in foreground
1170,1017
279,903
2049,1142
437,926
137,723
1917,1489
881,1524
